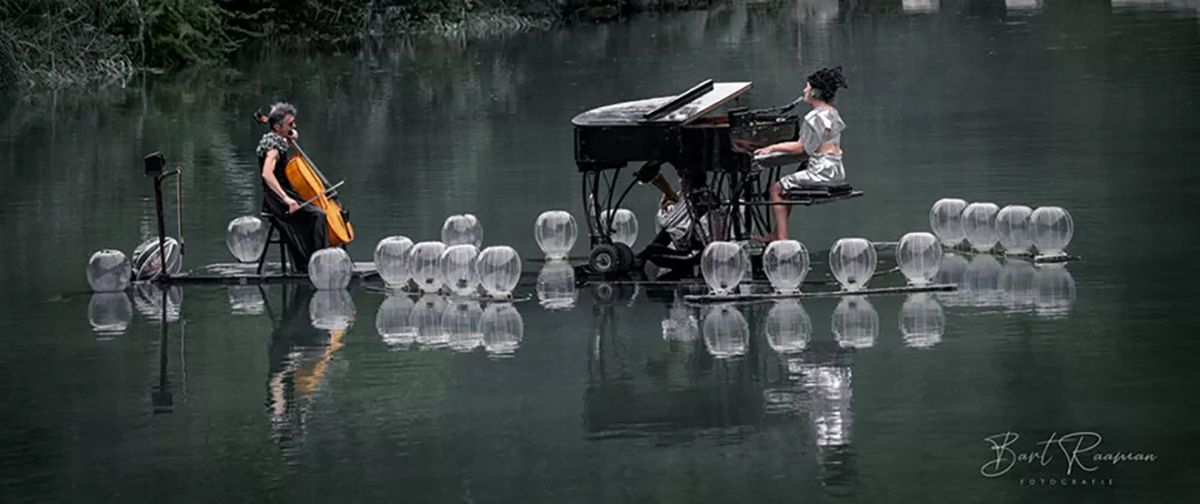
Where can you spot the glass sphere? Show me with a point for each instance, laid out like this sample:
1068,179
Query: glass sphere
330,268
723,265
393,322
979,224
1055,291
462,229
393,260
855,323
331,310
426,258
852,261
919,256
149,301
623,223
1013,229
726,333
246,300
981,282
786,263
502,328
951,271
945,220
427,318
555,232
147,260
110,313
246,237
789,327
922,321
1052,230
457,269
460,321
556,286
499,270
108,271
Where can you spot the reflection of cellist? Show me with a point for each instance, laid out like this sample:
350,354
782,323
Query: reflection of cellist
303,225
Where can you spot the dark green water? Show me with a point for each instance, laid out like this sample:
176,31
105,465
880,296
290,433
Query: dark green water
1084,105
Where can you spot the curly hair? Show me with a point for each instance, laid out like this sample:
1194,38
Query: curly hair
825,83
278,112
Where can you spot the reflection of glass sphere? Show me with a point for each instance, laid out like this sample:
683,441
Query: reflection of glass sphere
427,318
951,271
788,326
556,286
726,333
460,320
246,237
331,310
555,232
393,260
1013,229
426,257
148,301
922,321
110,313
499,270
624,225
680,325
393,322
1055,291
855,323
457,269
462,229
108,271
147,259
330,268
786,263
979,224
853,262
981,282
1052,229
502,328
919,256
945,220
723,265
1017,285
246,300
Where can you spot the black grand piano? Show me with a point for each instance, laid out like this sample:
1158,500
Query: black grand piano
710,150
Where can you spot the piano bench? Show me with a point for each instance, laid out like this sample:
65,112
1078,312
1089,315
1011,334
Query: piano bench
818,195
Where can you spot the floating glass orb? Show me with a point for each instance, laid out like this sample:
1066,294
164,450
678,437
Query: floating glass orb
148,300
556,286
945,220
246,237
499,270
919,256
922,321
681,324
331,310
246,300
502,328
723,265
1017,284
426,260
1013,229
393,260
462,229
460,320
831,389
393,322
109,313
1052,230
786,263
789,327
427,318
457,269
555,232
726,333
855,323
147,260
330,268
979,224
852,261
1055,291
108,271
624,225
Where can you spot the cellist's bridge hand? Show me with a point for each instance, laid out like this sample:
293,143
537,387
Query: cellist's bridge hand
292,205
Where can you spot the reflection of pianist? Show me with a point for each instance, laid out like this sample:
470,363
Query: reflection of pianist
299,357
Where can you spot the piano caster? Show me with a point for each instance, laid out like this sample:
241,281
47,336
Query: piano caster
611,258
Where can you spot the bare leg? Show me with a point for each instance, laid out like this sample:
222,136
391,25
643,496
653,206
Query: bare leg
780,213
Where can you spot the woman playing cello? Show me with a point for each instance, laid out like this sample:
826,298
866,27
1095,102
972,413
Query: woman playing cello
304,226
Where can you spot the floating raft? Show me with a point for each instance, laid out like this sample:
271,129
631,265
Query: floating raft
240,273
765,296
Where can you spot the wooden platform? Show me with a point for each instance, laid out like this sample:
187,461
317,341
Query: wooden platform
243,273
712,298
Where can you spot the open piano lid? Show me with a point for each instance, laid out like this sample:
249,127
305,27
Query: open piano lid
681,109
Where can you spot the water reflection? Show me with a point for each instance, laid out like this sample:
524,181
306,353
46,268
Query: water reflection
1017,285
951,271
303,344
556,286
1023,4
460,322
981,282
246,300
393,321
1055,291
427,318
922,321
502,328
726,333
917,6
149,301
331,310
855,322
789,327
681,324
109,313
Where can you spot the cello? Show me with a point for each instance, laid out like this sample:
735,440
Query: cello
311,185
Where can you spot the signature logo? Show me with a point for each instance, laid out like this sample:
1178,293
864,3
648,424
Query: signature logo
1079,452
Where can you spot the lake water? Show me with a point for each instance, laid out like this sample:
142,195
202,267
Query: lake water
261,395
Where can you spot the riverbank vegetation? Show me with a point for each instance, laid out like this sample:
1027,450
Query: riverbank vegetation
58,43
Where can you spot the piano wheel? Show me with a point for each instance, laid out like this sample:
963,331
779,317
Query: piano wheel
626,256
605,259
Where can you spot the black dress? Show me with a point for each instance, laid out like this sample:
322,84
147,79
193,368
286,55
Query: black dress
304,231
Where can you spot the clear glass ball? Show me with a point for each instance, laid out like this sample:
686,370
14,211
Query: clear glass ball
555,232
726,333
789,327
723,265
457,269
147,259
785,263
502,328
1013,229
331,310
393,261
427,318
979,224
852,261
945,220
1055,291
855,323
110,313
499,270
556,286
426,260
1053,229
246,237
624,225
919,256
922,321
109,270
462,229
330,268
460,320
393,321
